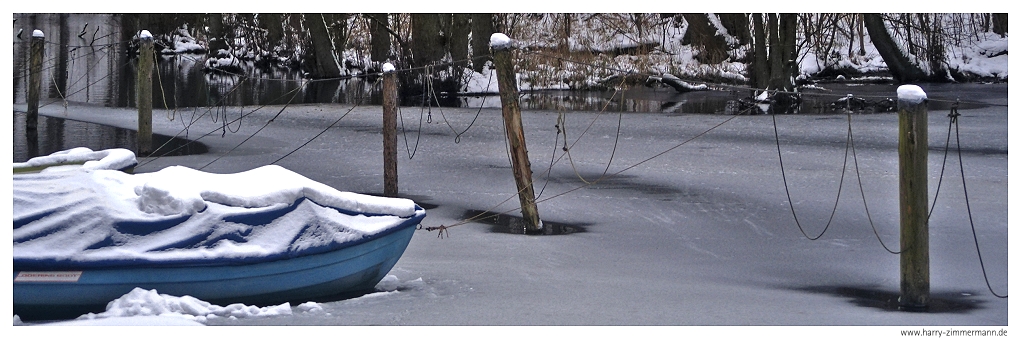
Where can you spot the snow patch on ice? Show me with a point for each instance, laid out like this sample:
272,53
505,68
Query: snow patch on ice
309,307
391,283
141,302
114,159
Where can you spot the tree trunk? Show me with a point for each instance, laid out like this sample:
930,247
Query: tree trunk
737,26
217,40
775,52
861,35
900,66
337,25
426,45
702,34
379,37
935,52
1000,24
760,61
482,29
325,63
788,50
273,24
457,37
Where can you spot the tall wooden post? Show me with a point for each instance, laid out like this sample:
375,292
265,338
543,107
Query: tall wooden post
35,81
389,131
143,90
913,148
506,79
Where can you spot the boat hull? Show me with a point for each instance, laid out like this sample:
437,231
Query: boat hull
344,272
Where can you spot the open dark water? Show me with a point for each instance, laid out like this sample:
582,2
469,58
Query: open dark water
56,134
86,61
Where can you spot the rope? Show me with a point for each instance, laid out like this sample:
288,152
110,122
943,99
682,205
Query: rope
788,191
321,132
857,173
946,151
436,99
404,131
479,216
562,127
257,131
219,103
967,203
556,141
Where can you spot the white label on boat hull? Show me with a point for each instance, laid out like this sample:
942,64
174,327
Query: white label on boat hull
63,276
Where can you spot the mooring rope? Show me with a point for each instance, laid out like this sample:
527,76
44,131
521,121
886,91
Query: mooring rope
843,170
967,204
537,201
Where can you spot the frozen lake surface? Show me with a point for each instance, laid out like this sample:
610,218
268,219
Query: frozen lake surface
701,235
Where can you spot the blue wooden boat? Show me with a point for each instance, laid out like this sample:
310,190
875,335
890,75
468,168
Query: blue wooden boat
49,284
353,269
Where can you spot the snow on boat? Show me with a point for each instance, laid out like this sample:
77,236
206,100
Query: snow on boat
80,157
264,236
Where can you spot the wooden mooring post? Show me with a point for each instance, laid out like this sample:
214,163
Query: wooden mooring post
143,90
389,131
507,81
913,149
35,81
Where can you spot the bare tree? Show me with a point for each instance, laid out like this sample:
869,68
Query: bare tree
481,30
902,69
1000,24
379,37
324,62
701,33
426,42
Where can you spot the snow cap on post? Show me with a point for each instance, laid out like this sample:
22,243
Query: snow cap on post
388,67
911,93
500,41
38,34
145,35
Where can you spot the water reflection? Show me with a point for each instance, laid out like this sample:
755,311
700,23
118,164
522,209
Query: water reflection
56,134
86,61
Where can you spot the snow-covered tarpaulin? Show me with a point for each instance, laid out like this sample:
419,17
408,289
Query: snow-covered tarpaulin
81,157
178,215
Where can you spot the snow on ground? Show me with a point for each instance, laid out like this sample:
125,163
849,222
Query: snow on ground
702,235
142,307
